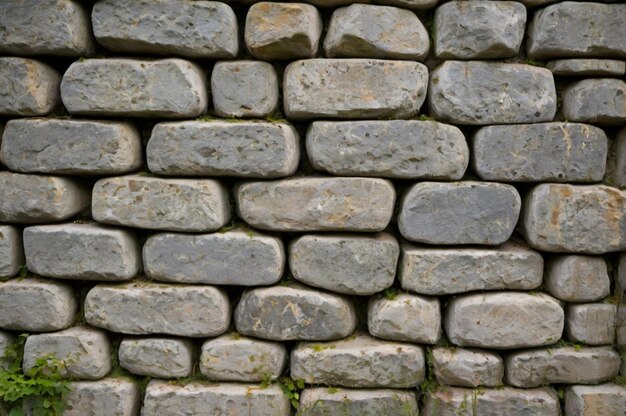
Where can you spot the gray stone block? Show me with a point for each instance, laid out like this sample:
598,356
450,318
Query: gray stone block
604,400
83,352
408,4
236,257
405,317
82,251
321,401
157,357
220,148
467,367
467,212
354,265
199,29
405,149
577,278
294,312
359,361
89,147
317,204
478,30
587,67
232,357
107,397
580,219
504,320
367,31
550,152
195,205
11,251
616,165
598,101
591,323
151,308
29,87
480,93
6,341
354,88
166,88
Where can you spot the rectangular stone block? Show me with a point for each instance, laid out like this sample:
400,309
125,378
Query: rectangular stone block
591,323
576,278
467,367
29,87
603,400
323,401
587,67
107,397
157,357
586,101
11,251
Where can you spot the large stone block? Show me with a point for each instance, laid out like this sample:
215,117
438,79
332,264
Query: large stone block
404,149
598,101
11,251
294,312
550,152
234,257
604,400
577,278
579,219
479,93
354,88
88,147
157,357
167,88
504,320
587,67
196,205
317,204
466,212
321,401
150,308
220,148
199,29
107,397
29,87
467,367
591,323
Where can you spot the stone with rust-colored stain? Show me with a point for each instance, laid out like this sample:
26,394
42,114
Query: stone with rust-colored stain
323,401
602,400
576,278
29,87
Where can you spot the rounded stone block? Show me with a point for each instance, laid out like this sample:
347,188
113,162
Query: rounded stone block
577,278
598,101
603,400
108,397
467,367
29,87
11,251
322,401
587,67
157,357
591,323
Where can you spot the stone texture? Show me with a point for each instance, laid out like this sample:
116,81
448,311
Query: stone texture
617,160
404,149
294,312
29,87
157,357
235,257
603,400
282,30
317,204
367,31
580,365
504,320
196,205
480,93
598,101
591,323
570,218
199,29
232,357
82,251
85,353
359,361
408,4
478,30
354,88
576,278
11,251
6,341
36,305
441,271
467,212
89,147
164,399
587,67
220,148
620,334
107,397
45,27
322,401
405,317
467,367
167,88
621,273
550,152
149,308
578,29
354,265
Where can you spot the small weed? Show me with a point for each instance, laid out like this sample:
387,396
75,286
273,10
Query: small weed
391,293
535,63
425,117
206,117
276,117
292,389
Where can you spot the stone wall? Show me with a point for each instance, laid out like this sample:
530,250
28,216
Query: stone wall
352,209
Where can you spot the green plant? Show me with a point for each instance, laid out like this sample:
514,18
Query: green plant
391,293
292,389
276,117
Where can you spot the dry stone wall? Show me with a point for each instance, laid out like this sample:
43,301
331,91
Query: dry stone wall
395,208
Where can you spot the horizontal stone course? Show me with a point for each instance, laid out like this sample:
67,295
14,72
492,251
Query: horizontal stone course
587,67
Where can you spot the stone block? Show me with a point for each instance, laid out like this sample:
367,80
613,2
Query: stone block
157,357
408,4
321,401
29,87
107,397
576,278
616,167
597,101
11,251
591,323
603,400
587,67
467,367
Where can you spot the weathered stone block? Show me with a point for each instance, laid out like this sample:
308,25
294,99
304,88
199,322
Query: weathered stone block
603,400
598,101
323,401
467,212
467,367
479,93
354,88
171,88
195,205
551,152
157,357
409,4
107,397
504,320
591,323
616,168
317,204
587,67
29,87
199,29
220,148
294,312
577,278
6,341
236,257
150,308
11,251
355,265
405,149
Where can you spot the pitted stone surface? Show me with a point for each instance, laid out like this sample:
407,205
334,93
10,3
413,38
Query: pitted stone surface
29,87
11,251
107,397
598,101
321,401
591,323
467,367
467,212
587,67
354,88
199,29
219,148
157,357
576,278
603,400
404,149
